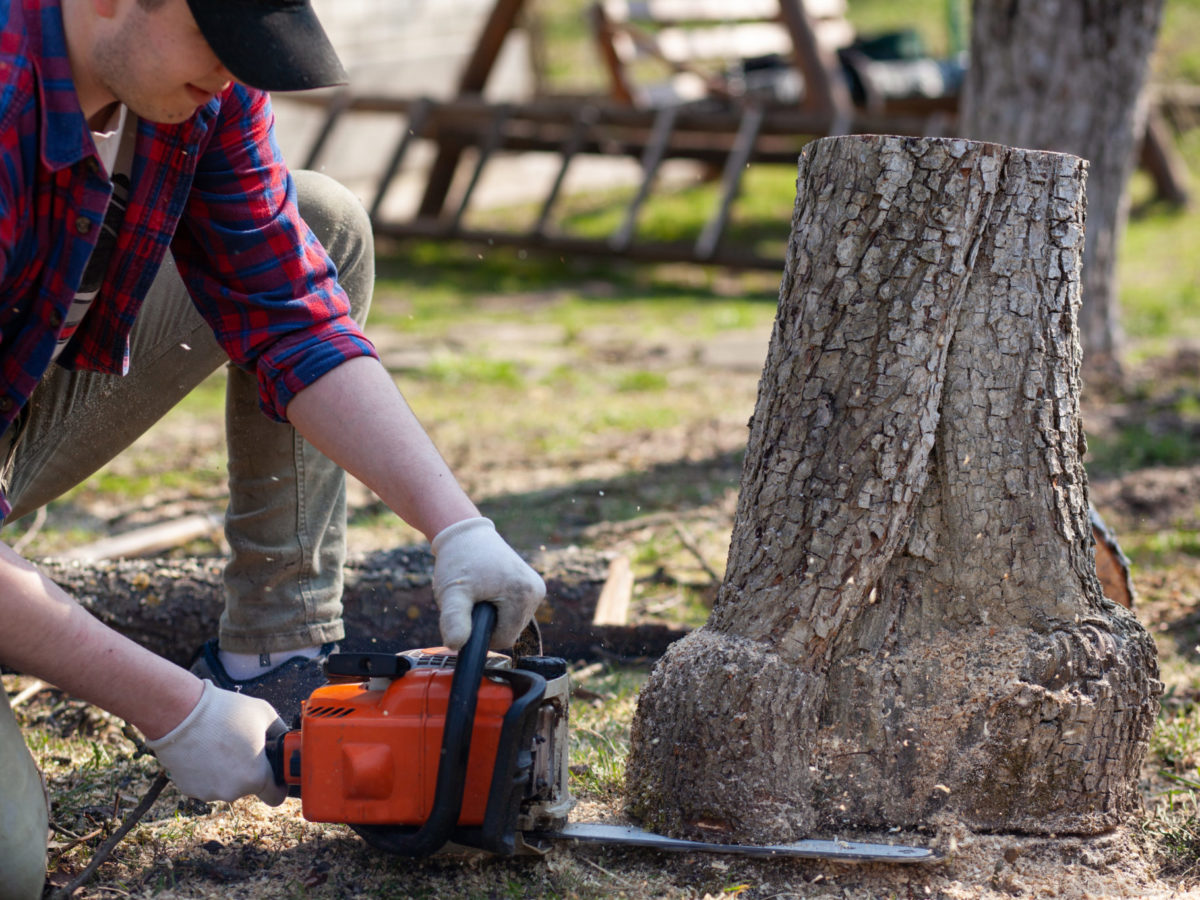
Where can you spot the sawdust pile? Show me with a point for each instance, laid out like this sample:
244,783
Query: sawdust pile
247,850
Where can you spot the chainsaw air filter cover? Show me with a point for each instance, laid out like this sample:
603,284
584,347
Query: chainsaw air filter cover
370,750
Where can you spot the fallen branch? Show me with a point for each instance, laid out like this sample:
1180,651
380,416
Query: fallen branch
173,606
689,544
148,540
61,850
27,693
39,519
105,850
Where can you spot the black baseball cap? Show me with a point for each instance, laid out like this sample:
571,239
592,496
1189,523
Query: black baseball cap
273,45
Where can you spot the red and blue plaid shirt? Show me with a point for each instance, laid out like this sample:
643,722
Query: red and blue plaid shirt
214,189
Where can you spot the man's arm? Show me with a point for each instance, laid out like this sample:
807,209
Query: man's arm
47,634
210,741
355,415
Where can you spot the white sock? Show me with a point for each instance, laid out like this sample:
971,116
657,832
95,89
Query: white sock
241,666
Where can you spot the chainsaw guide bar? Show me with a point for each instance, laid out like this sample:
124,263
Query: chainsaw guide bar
836,851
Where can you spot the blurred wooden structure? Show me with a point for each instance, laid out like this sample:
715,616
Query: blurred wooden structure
748,83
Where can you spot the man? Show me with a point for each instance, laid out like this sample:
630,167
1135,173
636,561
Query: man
150,232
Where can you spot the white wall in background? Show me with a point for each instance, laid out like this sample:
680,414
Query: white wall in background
410,48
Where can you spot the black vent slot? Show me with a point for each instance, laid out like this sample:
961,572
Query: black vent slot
329,712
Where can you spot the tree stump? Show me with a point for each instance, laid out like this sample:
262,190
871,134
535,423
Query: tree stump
910,630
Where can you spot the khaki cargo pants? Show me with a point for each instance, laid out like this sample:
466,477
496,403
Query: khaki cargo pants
23,815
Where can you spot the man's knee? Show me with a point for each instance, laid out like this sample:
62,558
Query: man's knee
340,222
23,815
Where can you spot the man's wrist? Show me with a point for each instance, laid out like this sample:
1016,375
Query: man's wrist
173,707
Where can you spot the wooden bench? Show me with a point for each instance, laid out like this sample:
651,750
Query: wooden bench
688,80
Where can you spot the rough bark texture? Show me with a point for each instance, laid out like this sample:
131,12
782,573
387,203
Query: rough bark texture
172,607
910,628
1068,76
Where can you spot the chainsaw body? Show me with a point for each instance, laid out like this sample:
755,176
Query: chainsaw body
423,748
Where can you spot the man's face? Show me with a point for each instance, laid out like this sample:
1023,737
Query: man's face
156,61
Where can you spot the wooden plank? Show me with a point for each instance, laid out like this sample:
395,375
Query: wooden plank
338,104
612,607
690,10
474,77
1162,161
722,42
677,11
413,129
825,91
584,119
656,151
500,22
146,541
491,143
731,181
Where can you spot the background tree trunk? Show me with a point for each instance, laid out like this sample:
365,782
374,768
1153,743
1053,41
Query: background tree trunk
1068,75
910,627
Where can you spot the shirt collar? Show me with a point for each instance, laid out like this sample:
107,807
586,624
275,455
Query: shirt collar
65,137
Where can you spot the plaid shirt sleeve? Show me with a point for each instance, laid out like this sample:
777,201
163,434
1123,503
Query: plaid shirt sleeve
254,269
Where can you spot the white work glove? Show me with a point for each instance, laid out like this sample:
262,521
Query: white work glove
474,564
219,751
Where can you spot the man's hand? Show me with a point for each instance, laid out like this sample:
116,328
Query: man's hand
475,564
219,751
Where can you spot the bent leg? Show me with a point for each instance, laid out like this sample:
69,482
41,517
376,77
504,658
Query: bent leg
76,422
24,818
286,524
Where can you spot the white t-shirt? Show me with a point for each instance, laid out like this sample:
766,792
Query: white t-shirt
115,146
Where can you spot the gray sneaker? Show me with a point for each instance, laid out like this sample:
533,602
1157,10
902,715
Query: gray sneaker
285,687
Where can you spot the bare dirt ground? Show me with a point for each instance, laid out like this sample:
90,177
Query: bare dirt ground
246,850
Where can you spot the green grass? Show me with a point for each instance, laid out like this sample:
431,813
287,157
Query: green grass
1138,446
458,370
1159,549
1158,268
1178,57
600,732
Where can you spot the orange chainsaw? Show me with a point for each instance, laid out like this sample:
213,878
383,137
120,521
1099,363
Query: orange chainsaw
427,748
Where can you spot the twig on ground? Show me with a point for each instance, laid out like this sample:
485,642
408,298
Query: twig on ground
134,737
34,688
105,850
672,601
39,519
61,849
589,671
614,876
689,544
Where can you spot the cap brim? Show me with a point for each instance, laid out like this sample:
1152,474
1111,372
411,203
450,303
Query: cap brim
270,46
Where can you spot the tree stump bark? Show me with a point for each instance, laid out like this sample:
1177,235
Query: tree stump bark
1070,76
910,629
